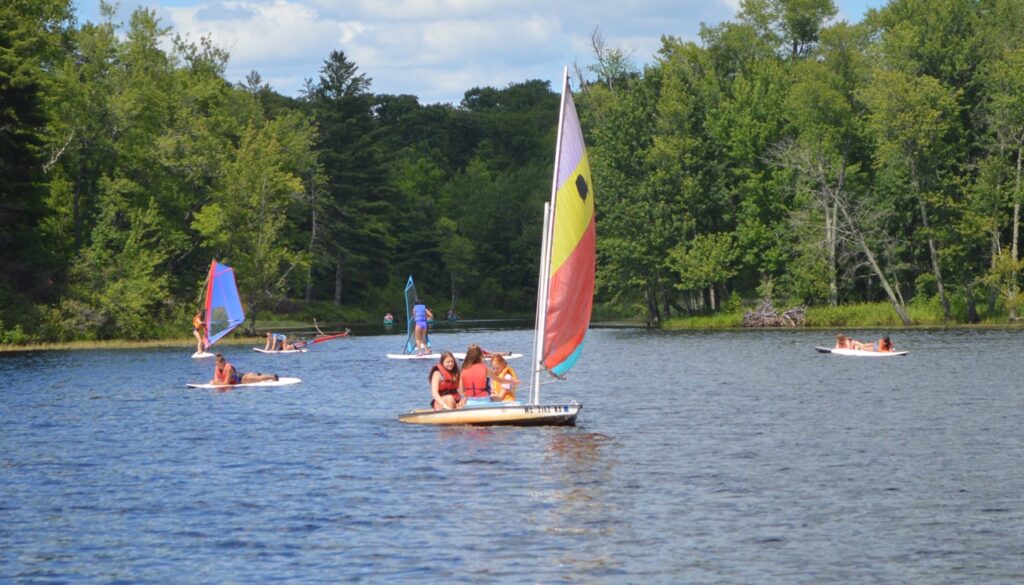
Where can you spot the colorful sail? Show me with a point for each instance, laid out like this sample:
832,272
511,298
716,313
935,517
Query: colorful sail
223,305
572,247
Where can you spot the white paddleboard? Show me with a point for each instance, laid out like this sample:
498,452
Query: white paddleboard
412,356
202,354
278,382
461,355
261,350
859,352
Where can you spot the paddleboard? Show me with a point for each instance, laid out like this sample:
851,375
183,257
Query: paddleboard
261,350
412,356
461,355
202,354
279,382
859,352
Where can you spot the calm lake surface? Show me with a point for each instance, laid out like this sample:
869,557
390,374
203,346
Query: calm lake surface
699,457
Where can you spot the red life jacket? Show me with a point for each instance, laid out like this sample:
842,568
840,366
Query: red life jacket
218,375
475,382
448,384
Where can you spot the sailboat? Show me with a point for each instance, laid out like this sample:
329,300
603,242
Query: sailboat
409,353
222,305
565,290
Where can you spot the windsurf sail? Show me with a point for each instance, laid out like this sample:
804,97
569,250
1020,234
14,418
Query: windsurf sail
410,319
223,305
568,253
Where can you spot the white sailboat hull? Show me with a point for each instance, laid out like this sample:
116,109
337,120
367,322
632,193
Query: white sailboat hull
499,414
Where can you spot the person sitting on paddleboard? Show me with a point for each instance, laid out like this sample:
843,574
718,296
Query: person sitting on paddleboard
421,315
444,384
884,344
225,374
504,380
476,380
199,331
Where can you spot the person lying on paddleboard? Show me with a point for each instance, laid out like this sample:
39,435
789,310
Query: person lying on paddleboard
199,331
504,380
884,344
224,373
844,342
444,384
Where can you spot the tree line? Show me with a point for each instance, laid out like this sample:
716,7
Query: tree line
790,156
784,155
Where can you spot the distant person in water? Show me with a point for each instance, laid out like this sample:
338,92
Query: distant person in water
476,379
444,384
421,316
225,374
199,331
504,380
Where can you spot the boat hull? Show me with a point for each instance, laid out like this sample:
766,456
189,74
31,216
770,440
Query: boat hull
525,415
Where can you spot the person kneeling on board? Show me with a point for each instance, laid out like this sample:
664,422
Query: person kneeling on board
225,374
275,341
444,379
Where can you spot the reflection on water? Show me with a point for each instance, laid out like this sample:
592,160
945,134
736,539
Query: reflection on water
737,457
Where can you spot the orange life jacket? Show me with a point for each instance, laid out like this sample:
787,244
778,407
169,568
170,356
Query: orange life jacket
219,376
448,384
197,322
475,381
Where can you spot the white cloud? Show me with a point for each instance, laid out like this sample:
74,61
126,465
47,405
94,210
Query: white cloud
434,49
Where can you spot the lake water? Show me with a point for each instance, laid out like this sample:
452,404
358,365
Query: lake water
699,457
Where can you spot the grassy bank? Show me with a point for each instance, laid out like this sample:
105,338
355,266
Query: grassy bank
186,344
853,316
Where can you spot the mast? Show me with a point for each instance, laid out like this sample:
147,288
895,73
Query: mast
545,255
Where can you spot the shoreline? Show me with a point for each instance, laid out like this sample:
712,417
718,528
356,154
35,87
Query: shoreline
189,343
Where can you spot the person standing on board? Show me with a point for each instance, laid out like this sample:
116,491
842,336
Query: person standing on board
444,384
476,380
421,315
225,374
199,331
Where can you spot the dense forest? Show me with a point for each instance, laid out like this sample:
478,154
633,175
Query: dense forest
785,156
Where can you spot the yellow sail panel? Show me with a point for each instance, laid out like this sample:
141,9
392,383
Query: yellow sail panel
573,213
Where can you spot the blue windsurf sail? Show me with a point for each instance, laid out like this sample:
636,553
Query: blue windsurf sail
410,318
223,305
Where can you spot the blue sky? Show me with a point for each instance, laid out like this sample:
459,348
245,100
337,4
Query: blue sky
433,49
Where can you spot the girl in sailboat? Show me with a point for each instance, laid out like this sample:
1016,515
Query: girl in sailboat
444,384
504,380
199,331
476,380
224,373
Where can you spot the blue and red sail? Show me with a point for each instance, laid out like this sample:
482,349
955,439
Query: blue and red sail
223,305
